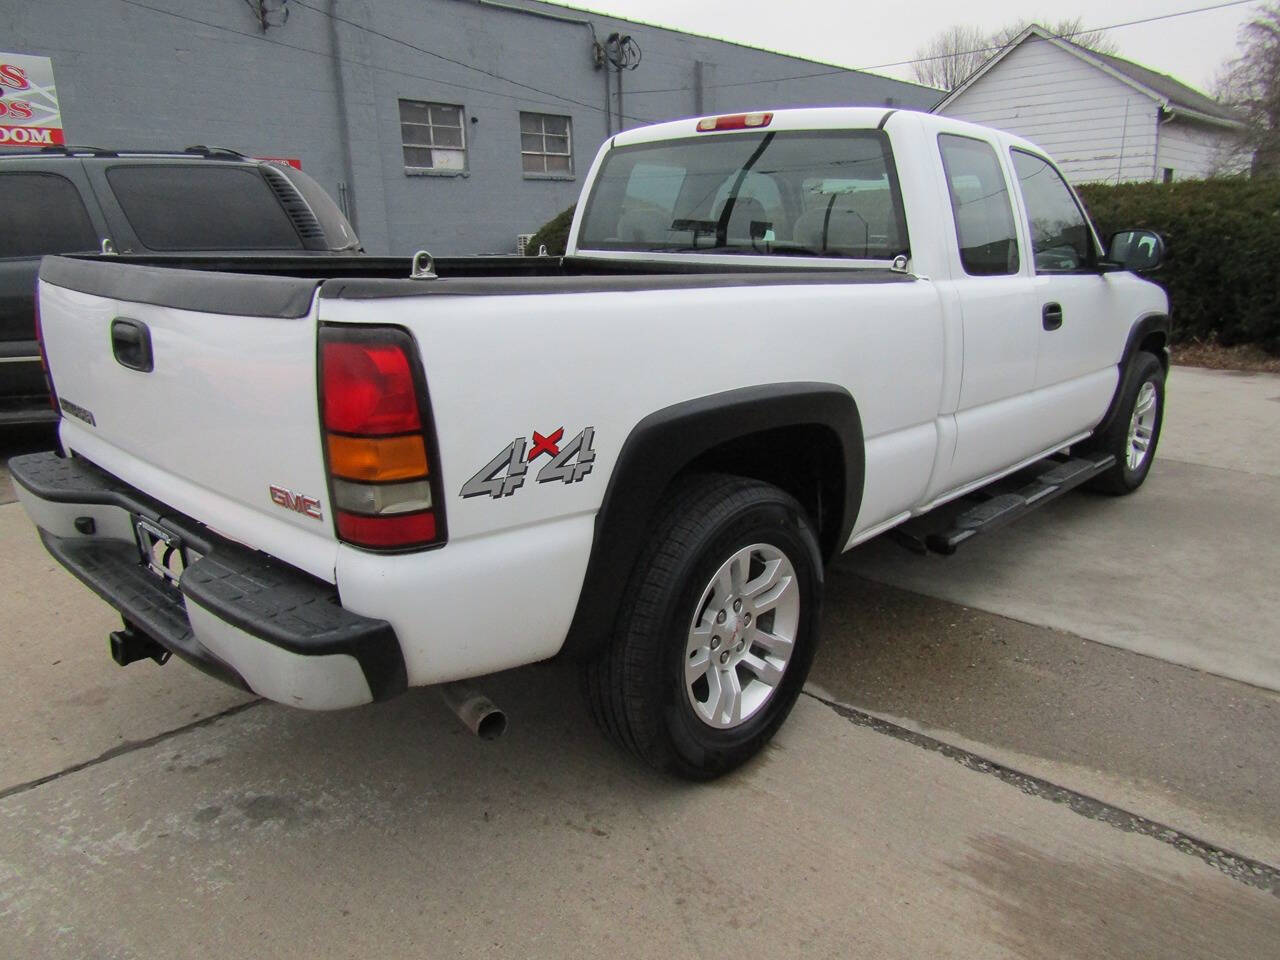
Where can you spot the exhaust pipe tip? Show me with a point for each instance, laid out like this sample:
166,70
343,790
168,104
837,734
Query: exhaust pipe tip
492,725
477,712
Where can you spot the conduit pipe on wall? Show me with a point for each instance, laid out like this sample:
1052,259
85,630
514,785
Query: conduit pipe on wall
347,192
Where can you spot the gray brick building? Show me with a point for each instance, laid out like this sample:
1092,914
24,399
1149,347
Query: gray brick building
447,124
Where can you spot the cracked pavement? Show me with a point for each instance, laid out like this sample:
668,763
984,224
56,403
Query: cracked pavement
1001,769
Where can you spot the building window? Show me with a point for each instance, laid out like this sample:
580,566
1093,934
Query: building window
433,137
1168,174
546,144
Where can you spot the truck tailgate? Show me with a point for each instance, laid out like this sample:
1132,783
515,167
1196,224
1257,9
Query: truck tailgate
221,421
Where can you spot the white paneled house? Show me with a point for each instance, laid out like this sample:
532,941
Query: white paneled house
1102,118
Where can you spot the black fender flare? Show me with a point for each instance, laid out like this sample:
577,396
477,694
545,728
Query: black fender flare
1146,325
666,442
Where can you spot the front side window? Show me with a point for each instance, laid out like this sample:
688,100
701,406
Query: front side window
788,193
202,206
546,143
1061,241
432,137
42,213
981,204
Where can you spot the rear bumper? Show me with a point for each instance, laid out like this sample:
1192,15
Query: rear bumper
239,615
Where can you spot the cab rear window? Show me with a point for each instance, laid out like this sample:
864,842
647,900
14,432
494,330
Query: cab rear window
201,207
797,193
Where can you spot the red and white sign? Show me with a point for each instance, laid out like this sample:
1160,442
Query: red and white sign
29,114
282,161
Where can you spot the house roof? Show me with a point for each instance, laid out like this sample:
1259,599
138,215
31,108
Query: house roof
1175,91
1171,94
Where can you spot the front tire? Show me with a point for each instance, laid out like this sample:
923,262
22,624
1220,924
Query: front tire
1133,434
717,631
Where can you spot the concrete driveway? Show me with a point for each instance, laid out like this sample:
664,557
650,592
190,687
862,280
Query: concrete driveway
1187,570
956,783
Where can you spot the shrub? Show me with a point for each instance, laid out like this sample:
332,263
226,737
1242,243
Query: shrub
1222,238
554,234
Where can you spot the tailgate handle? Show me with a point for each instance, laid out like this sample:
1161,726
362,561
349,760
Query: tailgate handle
131,344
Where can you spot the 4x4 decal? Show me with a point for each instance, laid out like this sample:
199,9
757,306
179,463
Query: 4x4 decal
505,473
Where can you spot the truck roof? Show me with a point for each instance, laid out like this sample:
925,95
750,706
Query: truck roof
811,118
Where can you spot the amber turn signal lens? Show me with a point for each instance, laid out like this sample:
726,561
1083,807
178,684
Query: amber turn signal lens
377,459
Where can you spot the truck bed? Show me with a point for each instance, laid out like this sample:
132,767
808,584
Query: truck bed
285,286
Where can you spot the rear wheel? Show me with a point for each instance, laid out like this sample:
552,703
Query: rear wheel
717,630
1133,434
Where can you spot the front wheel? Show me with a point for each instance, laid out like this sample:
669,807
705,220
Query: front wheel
1133,434
717,630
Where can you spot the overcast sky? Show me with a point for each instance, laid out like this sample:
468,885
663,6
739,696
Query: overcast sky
853,34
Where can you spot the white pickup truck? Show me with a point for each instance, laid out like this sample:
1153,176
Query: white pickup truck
774,336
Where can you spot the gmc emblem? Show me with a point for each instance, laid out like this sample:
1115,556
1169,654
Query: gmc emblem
297,502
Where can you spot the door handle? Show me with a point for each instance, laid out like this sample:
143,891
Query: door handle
1051,316
131,344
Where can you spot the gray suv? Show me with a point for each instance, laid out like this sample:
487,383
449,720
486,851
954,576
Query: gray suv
86,199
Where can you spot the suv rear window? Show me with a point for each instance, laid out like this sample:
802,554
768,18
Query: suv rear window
42,213
796,193
201,207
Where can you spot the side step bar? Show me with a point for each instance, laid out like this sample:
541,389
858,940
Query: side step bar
1004,508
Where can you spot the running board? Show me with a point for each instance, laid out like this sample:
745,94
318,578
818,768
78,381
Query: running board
1003,508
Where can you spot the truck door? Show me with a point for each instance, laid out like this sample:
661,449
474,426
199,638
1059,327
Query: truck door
994,287
1082,323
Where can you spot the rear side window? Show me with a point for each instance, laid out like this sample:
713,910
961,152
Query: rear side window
1060,237
42,213
202,207
981,204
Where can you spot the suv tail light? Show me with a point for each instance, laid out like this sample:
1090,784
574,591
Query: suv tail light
379,446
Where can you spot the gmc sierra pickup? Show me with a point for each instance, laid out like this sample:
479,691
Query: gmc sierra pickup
774,336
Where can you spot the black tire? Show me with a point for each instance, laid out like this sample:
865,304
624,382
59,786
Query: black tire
1144,368
636,687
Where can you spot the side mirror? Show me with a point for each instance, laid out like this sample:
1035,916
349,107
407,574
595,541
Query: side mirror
1141,251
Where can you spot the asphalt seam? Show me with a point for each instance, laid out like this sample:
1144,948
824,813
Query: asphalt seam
1255,873
129,746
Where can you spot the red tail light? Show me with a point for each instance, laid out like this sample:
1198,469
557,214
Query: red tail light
379,448
369,389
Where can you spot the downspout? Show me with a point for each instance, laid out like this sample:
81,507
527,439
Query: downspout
608,101
597,51
622,117
1155,160
1124,135
344,126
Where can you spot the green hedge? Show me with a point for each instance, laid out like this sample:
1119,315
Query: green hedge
553,234
1222,238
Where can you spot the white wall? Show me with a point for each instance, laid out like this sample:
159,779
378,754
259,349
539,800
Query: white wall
1196,150
1096,127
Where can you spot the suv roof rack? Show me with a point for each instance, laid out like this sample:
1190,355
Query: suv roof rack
79,150
214,151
